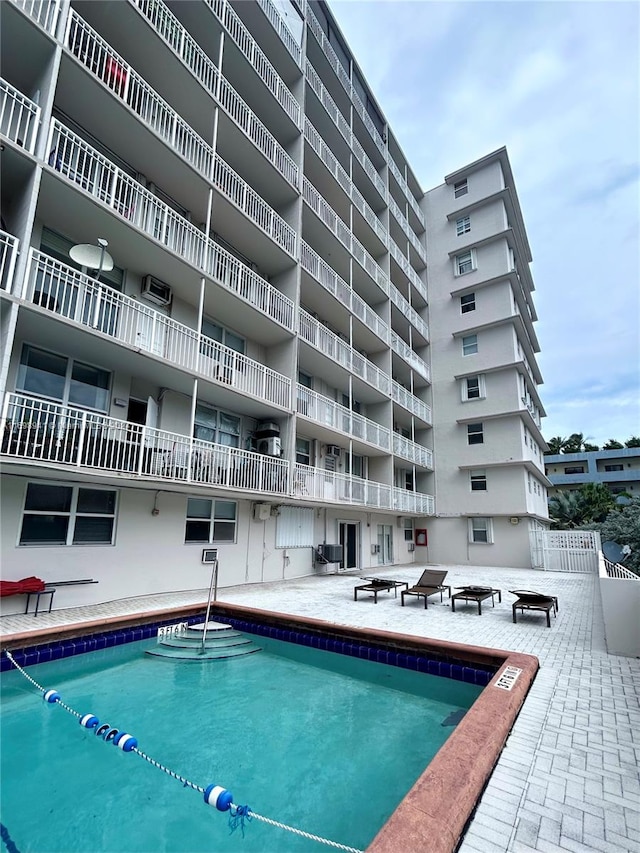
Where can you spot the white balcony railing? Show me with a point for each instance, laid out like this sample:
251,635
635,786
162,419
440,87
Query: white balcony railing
41,431
415,502
329,413
410,313
9,246
413,452
410,402
44,12
408,270
281,28
405,188
73,295
339,351
333,283
19,117
408,230
108,66
369,168
328,103
405,352
317,484
82,164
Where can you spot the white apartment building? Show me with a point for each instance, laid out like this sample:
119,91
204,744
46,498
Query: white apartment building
490,483
222,296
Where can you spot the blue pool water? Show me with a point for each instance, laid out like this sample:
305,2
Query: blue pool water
324,742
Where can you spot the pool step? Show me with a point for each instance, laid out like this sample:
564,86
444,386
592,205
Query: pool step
221,642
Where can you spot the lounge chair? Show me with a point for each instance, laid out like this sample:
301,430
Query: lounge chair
476,594
430,582
529,600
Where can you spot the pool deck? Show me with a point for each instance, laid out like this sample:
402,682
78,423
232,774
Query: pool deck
568,778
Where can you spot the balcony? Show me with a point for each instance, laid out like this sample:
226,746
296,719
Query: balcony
411,403
408,230
43,12
408,270
74,296
330,414
405,188
412,452
410,313
104,63
334,284
38,431
9,246
414,502
281,28
407,354
329,486
341,353
19,117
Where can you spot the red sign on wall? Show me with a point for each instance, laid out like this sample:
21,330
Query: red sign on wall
421,536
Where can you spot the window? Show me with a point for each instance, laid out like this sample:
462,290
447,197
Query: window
295,527
67,515
475,433
469,344
408,529
473,388
460,188
222,336
478,481
303,451
614,467
467,303
574,469
354,465
463,225
480,531
210,521
464,263
216,427
46,374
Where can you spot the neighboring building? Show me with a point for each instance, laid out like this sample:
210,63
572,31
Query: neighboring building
618,469
490,484
247,362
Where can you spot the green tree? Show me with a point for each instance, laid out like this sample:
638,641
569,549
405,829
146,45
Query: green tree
612,444
598,501
634,441
589,447
556,445
574,443
622,525
566,510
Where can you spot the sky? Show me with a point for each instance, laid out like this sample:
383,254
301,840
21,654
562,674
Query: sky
558,84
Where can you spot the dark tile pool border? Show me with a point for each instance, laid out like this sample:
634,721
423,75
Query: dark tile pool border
434,814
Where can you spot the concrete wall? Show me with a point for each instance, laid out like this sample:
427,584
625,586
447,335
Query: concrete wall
620,607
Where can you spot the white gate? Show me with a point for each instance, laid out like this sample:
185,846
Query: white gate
565,550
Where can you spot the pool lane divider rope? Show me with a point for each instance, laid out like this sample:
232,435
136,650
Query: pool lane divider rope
213,795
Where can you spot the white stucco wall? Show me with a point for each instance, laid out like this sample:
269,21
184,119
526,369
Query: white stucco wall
620,607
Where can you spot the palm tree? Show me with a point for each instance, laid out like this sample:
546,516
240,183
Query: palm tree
567,510
556,445
612,444
634,441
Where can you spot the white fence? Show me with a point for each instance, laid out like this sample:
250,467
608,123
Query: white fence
565,550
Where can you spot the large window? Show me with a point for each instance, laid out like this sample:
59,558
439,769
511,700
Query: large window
480,530
67,515
57,377
463,225
473,388
469,344
223,336
475,433
303,451
464,262
216,427
478,481
210,521
467,303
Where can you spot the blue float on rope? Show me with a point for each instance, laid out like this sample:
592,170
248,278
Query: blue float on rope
219,797
89,721
102,730
125,741
51,696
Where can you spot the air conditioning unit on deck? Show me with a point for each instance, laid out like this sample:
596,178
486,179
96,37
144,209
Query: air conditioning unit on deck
154,290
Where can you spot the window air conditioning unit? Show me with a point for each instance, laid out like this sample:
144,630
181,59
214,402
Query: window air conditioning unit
154,290
333,450
270,446
262,512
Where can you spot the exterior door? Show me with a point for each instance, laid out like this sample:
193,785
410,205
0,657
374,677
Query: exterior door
385,544
349,531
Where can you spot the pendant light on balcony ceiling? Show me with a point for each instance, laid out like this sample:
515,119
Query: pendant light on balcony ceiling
92,257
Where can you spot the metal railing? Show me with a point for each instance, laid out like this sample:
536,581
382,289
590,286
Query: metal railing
333,283
281,28
409,312
73,295
329,413
408,270
19,117
615,570
44,12
416,502
9,247
342,353
96,55
408,230
405,352
412,451
410,402
42,431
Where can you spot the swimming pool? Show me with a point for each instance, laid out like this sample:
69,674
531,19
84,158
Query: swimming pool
373,735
